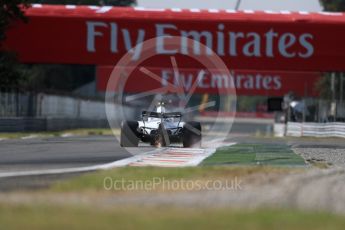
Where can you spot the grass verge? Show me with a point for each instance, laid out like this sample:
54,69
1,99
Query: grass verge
255,154
52,217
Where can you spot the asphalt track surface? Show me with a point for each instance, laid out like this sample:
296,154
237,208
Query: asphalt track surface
55,153
58,153
52,153
70,152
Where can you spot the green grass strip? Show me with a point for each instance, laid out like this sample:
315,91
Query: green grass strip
255,154
38,217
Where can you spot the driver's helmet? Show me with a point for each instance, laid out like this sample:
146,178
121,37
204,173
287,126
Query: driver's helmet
160,108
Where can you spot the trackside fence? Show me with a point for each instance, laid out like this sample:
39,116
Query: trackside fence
23,111
331,129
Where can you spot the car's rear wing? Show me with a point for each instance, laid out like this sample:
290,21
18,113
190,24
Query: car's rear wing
161,115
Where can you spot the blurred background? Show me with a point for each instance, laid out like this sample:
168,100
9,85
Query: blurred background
46,97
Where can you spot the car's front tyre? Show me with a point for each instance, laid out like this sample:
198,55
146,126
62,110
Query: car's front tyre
192,135
129,134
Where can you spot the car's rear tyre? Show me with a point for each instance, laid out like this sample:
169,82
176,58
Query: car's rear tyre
192,135
129,134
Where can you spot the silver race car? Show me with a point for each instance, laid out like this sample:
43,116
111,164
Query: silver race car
160,128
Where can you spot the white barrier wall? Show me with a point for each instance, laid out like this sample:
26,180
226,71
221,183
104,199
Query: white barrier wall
58,106
330,129
92,110
52,106
51,112
279,130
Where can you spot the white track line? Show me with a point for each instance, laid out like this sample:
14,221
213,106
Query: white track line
33,136
165,157
119,163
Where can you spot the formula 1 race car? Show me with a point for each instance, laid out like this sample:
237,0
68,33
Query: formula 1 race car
160,128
